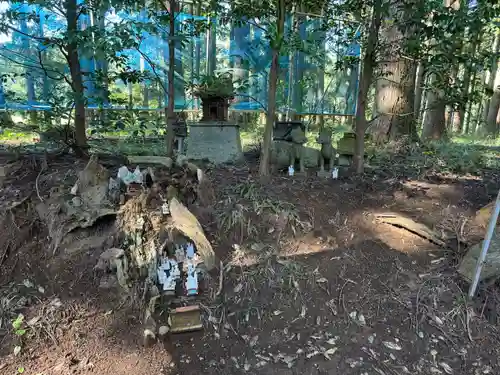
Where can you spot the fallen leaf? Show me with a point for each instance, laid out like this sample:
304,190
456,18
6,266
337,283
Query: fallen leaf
261,364
254,340
391,345
361,319
438,320
322,280
28,284
17,350
330,352
446,367
303,311
277,312
33,321
289,360
434,370
314,353
260,356
238,288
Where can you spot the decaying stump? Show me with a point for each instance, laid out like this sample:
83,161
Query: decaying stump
88,201
185,222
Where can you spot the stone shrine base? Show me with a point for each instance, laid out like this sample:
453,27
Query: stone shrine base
324,174
217,141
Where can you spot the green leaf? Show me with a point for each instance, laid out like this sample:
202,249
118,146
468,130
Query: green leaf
20,332
16,324
20,370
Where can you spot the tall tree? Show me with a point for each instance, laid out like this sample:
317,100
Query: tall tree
367,67
171,76
494,106
276,45
395,88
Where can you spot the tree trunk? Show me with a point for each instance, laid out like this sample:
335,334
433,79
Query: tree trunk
491,127
211,47
291,70
490,78
419,87
395,90
434,121
364,86
273,83
171,76
462,106
468,112
76,77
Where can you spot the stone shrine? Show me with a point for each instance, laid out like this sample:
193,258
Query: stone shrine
214,138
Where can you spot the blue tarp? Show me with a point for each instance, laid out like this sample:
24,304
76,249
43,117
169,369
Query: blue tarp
243,51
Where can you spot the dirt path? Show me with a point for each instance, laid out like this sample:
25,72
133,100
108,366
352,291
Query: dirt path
343,295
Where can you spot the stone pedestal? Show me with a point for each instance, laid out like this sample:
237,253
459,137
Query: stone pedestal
324,174
217,141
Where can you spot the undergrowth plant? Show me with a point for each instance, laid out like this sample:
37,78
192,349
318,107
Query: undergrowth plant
434,157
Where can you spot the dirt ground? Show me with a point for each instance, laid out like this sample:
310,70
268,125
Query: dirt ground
312,283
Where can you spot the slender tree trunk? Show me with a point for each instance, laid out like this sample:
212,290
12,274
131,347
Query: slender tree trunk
76,77
468,112
197,55
467,83
291,70
491,127
364,85
273,83
211,47
419,87
171,76
490,78
320,117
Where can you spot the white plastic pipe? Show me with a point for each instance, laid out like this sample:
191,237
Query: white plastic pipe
486,244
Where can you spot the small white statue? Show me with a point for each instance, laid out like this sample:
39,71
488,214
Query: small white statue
192,281
190,251
335,173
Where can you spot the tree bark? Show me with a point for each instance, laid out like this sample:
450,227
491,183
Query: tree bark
367,68
395,90
211,48
171,76
467,83
76,77
490,78
419,88
491,127
468,112
434,121
273,83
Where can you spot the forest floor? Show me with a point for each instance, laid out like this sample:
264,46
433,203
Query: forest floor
312,283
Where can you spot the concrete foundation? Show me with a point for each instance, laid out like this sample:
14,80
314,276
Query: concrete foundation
219,142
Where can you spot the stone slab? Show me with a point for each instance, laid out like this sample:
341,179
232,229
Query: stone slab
219,142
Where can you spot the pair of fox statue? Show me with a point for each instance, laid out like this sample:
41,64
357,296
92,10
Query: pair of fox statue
327,153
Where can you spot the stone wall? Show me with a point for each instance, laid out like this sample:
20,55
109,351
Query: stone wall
218,142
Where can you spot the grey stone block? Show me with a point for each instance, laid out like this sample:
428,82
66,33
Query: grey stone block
218,142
